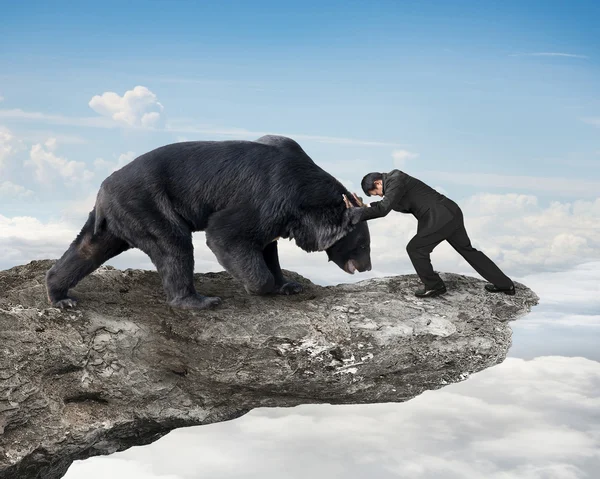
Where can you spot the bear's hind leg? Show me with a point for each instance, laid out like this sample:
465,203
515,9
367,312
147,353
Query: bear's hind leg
85,254
173,256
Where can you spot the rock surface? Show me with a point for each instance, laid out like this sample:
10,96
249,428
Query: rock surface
123,368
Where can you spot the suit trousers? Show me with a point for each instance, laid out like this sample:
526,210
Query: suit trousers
419,249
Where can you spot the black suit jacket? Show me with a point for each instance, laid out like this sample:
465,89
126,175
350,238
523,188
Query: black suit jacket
406,194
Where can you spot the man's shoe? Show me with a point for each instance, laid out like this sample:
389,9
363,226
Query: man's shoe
495,289
429,293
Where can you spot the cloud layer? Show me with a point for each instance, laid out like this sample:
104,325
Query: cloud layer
521,236
520,420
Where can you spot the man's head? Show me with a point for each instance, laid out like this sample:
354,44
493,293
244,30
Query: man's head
372,184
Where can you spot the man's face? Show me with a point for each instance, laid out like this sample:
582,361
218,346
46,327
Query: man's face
378,190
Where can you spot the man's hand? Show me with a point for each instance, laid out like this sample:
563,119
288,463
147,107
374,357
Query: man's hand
358,200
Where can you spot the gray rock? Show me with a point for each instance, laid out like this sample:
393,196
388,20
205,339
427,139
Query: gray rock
124,369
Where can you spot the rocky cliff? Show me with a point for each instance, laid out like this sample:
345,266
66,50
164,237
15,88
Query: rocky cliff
123,369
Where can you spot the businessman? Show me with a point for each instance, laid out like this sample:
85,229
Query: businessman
439,218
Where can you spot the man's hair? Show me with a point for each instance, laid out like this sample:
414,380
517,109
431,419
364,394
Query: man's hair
368,182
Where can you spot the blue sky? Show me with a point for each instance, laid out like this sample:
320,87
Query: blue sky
471,87
495,104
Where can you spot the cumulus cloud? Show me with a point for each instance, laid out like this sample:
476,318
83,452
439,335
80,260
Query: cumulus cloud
522,419
49,167
527,237
516,231
556,186
9,189
520,235
400,157
24,238
120,162
7,145
138,107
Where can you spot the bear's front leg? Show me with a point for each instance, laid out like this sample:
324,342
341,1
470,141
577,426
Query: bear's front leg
235,236
282,285
245,263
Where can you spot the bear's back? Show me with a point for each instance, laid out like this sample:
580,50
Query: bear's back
212,170
221,157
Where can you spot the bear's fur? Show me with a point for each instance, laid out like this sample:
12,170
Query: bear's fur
243,194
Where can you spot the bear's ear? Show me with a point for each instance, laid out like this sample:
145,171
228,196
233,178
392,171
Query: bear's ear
353,215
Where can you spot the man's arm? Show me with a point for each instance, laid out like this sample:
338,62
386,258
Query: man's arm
393,192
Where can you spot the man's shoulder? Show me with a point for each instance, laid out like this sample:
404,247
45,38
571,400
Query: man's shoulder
398,175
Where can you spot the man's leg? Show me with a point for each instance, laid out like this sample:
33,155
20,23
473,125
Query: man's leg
460,241
419,249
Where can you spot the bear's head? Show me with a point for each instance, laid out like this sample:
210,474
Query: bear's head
353,252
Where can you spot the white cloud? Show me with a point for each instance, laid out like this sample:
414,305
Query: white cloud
244,133
92,122
40,136
111,166
549,54
9,189
1,98
7,146
123,468
595,121
402,156
554,185
565,296
49,167
517,233
522,419
125,158
50,144
23,239
525,237
138,107
489,204
185,128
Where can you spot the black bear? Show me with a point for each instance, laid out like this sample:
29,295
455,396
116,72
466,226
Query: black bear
243,194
